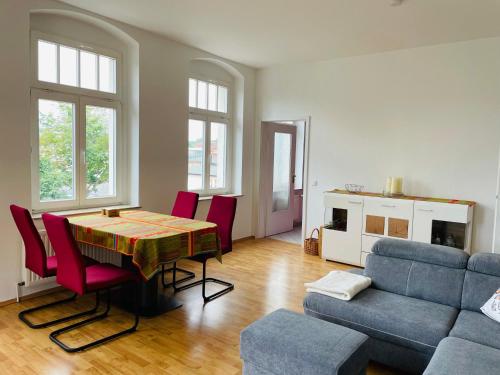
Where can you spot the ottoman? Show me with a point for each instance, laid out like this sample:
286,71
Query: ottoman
287,343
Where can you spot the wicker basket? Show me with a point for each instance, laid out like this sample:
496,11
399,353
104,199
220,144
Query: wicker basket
311,244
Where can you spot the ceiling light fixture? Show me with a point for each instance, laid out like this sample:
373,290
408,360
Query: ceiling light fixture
396,3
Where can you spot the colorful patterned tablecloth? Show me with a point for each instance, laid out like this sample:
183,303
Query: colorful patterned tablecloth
150,238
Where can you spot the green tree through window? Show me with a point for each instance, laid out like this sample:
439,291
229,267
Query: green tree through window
56,150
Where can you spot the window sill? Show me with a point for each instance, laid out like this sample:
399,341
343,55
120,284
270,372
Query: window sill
79,211
209,197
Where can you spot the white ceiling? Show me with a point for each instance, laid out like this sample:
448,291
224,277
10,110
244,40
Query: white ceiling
261,33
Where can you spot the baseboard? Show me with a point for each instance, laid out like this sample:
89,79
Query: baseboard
244,239
7,302
33,295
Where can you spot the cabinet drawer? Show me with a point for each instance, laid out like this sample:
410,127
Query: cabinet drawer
343,201
388,207
367,243
457,213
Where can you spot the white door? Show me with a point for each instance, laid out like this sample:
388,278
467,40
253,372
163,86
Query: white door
278,142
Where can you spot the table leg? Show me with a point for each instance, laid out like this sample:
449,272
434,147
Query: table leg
154,299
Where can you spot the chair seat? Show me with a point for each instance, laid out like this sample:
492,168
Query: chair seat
105,275
52,264
476,327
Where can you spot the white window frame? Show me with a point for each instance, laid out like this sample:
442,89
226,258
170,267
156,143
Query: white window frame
36,36
80,97
208,116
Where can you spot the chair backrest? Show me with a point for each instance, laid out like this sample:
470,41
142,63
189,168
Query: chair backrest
482,279
35,255
70,264
222,211
430,272
185,204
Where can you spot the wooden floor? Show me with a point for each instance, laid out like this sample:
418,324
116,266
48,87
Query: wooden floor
194,339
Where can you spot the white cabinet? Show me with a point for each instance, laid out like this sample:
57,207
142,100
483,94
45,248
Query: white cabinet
354,222
341,241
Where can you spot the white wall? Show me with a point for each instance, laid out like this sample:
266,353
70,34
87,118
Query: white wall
430,114
161,128
496,243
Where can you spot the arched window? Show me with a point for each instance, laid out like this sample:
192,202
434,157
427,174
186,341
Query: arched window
77,130
210,132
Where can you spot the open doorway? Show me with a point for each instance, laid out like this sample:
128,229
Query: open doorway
282,179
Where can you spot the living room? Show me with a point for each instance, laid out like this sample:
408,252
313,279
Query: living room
250,120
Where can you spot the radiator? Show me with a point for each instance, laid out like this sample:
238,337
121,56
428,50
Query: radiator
31,279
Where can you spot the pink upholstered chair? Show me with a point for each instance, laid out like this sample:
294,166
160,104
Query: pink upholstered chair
37,261
73,275
222,212
185,206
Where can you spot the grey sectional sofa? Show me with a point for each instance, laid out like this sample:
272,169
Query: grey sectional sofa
420,295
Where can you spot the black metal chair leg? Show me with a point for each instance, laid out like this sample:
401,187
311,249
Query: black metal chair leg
23,318
174,270
53,336
228,286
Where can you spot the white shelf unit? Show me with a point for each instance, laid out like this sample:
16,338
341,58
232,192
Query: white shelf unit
354,222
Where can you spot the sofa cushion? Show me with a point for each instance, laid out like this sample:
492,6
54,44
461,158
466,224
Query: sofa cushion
430,272
460,357
482,279
387,273
486,263
285,342
421,252
405,321
477,327
436,283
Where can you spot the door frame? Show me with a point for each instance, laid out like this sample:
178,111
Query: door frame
260,231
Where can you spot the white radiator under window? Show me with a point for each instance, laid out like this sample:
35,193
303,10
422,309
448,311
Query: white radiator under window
31,279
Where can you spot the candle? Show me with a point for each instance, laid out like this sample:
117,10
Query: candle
388,184
397,185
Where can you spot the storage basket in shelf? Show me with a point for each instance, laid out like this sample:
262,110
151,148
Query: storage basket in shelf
311,244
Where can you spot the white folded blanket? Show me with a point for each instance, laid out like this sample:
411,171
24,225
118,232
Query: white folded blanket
339,284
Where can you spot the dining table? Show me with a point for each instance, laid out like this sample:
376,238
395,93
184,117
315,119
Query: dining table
146,241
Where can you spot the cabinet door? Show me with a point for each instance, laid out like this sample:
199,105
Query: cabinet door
422,224
441,223
387,217
342,243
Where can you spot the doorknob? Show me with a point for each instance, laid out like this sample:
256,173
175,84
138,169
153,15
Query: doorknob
293,179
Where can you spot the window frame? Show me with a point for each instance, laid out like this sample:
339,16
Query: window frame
60,87
80,97
119,155
37,204
208,116
227,85
79,149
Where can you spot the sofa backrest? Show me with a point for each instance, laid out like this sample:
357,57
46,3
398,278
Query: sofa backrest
414,269
482,279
